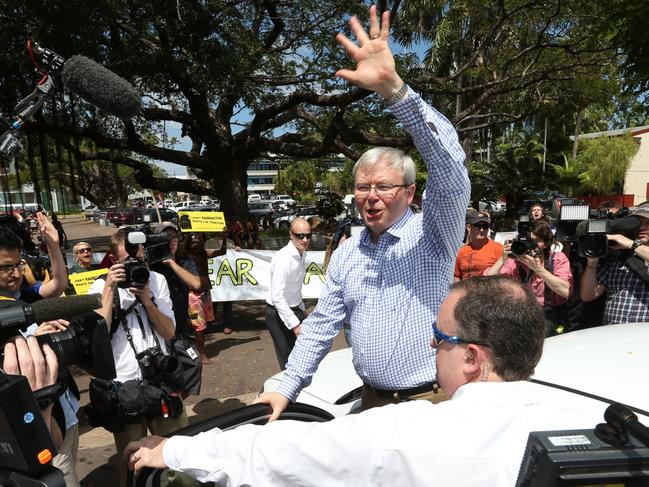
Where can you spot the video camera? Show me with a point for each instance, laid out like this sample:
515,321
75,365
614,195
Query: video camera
85,343
578,223
156,249
26,448
523,243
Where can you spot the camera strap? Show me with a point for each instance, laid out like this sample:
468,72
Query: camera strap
129,337
638,266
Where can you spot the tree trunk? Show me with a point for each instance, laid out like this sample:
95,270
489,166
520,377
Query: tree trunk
232,188
32,168
45,170
575,143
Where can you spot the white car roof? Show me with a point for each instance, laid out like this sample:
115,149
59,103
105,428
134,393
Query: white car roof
607,361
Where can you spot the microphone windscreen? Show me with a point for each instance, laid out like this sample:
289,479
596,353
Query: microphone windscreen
101,87
65,308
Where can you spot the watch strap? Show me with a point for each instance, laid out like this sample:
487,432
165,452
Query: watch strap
636,243
398,96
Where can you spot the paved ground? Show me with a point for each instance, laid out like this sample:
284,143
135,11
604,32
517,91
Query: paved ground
240,363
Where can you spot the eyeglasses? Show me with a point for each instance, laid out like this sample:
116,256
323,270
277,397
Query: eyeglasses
382,189
84,250
439,337
301,236
481,226
8,268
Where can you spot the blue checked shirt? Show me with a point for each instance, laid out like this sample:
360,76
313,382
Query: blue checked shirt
390,291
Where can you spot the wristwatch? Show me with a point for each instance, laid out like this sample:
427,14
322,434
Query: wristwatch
399,95
636,243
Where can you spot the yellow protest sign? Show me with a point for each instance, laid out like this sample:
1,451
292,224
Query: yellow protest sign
83,280
201,221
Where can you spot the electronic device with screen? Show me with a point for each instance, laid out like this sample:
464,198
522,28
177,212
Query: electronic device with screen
614,454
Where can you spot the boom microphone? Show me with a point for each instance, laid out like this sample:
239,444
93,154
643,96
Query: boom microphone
65,308
16,314
101,87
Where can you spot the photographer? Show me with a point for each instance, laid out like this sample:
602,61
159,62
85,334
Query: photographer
181,276
12,268
144,321
545,272
623,276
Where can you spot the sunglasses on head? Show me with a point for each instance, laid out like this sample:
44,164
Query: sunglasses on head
301,236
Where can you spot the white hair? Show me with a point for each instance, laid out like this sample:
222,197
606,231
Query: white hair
394,158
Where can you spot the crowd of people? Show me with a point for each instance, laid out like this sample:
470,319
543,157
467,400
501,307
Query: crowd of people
444,336
575,291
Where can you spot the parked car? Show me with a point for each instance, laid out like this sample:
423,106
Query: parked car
202,207
179,206
125,216
495,206
260,209
253,197
150,215
91,211
305,212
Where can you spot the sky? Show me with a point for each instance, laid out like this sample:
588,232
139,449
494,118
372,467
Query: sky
244,116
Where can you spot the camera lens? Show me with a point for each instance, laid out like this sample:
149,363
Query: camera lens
67,346
139,276
166,363
519,247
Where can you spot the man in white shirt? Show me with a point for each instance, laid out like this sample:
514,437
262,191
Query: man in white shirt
489,337
284,305
149,319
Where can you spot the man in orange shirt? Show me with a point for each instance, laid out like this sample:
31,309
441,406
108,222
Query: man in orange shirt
480,252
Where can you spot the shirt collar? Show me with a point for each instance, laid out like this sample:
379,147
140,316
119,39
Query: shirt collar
396,230
295,251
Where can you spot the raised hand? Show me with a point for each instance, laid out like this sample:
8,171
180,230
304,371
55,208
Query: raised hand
375,68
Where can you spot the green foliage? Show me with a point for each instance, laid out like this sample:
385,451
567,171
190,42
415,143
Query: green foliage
341,181
514,172
605,161
330,205
299,178
569,176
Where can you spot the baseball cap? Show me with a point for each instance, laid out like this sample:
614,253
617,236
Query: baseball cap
160,227
642,211
478,217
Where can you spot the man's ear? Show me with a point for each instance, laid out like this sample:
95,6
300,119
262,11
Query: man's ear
472,359
411,192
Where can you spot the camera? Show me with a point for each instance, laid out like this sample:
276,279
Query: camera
137,273
154,364
591,233
85,343
523,243
156,249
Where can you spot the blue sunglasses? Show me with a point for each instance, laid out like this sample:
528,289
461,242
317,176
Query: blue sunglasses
439,337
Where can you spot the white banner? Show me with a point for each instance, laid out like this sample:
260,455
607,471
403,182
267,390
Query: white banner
245,275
